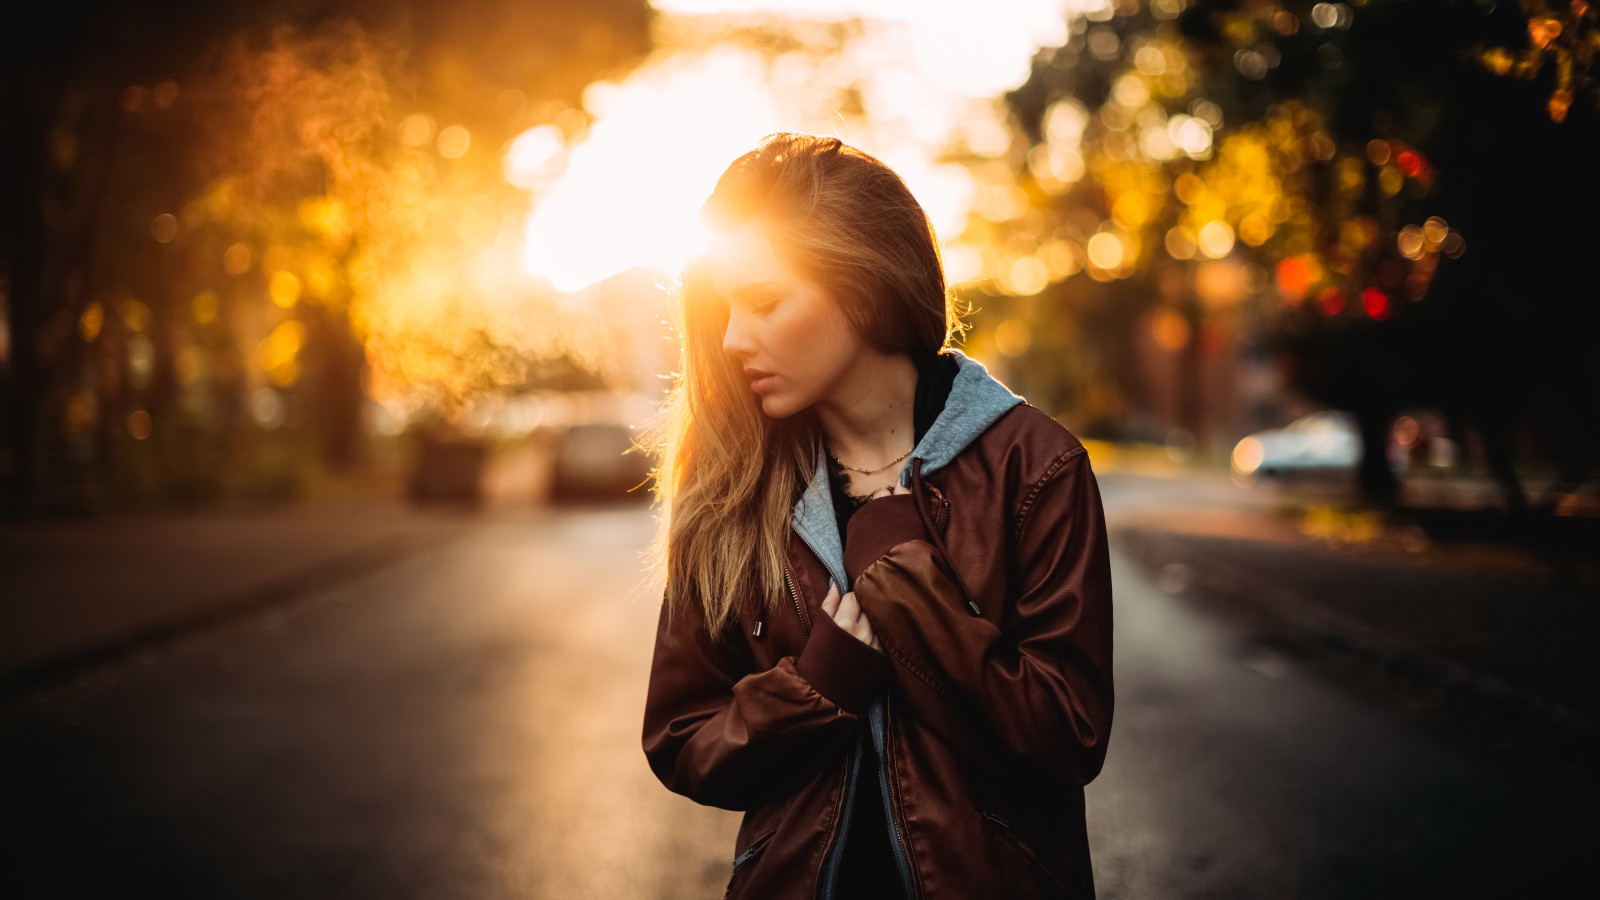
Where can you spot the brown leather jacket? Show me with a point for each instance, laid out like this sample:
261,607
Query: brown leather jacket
989,587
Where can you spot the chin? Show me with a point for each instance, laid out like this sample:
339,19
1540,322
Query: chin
776,407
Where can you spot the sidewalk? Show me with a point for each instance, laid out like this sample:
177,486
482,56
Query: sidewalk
1451,602
76,592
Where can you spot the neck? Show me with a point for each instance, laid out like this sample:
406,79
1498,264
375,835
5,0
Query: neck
867,417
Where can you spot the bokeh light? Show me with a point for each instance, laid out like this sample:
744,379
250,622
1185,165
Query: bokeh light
164,227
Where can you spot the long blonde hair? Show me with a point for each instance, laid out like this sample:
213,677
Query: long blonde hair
728,476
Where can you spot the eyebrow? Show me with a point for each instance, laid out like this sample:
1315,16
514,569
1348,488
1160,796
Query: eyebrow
759,287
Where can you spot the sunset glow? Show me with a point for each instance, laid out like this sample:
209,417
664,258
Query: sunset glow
627,190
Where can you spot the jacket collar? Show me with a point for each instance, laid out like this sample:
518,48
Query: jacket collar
976,400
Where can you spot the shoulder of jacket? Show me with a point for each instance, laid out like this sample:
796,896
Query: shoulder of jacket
1046,444
1039,447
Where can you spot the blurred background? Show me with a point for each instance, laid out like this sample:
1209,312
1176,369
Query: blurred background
328,326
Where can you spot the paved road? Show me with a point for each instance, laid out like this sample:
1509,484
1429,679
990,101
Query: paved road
464,723
1235,772
461,724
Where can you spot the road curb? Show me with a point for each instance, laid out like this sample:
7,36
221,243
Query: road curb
64,668
1327,628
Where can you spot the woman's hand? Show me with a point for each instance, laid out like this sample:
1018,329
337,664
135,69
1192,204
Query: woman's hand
847,613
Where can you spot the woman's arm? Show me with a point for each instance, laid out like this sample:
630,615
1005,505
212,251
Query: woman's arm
725,736
1042,689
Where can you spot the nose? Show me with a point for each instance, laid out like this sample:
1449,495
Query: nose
736,340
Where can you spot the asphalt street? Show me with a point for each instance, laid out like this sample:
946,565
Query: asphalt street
464,722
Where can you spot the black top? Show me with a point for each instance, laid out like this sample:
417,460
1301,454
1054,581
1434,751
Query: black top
868,870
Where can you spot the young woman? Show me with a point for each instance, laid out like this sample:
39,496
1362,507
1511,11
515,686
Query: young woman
885,633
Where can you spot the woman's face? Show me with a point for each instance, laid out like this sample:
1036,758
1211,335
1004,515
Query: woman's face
789,337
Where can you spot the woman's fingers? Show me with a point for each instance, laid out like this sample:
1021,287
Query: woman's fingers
849,609
865,632
851,619
845,611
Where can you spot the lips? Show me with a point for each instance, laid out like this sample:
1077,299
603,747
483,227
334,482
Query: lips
759,380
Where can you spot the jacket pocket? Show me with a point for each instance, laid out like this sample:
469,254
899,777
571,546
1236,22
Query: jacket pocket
745,861
1037,867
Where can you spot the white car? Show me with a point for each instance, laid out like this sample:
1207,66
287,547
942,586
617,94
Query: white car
1325,443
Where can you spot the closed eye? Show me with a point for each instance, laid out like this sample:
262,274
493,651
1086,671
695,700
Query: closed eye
758,298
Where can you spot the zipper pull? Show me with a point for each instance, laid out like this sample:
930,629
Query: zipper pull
759,623
972,605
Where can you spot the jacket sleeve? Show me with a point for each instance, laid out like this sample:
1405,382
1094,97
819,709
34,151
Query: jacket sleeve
725,736
1038,692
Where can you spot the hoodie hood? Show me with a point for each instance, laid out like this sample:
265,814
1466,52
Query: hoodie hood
976,400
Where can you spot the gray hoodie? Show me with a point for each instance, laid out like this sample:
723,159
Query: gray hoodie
976,400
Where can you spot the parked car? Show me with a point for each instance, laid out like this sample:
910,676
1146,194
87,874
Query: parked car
1324,444
592,461
447,467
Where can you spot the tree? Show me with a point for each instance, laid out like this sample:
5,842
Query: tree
1406,209
212,212
1467,131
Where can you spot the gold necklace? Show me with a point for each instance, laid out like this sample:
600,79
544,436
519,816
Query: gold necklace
870,471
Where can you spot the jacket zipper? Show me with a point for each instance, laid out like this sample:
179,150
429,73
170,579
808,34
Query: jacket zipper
798,610
878,716
831,866
754,847
812,547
